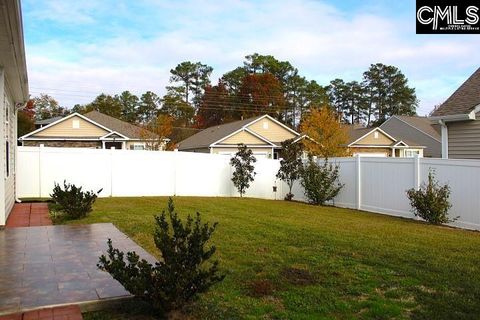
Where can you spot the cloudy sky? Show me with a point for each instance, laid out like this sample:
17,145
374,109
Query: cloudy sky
77,49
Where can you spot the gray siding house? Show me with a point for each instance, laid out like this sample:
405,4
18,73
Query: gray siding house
414,130
13,95
459,118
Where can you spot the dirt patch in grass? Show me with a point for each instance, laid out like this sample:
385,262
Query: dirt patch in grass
260,288
297,276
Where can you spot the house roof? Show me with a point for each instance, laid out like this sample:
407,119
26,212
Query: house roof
48,121
356,132
422,124
114,124
463,100
206,137
108,123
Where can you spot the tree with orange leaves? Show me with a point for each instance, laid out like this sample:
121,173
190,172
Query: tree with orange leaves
329,136
156,132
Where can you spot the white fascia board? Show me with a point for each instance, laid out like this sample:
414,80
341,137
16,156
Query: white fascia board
114,132
274,120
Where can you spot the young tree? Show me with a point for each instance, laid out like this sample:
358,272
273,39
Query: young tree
243,165
320,182
328,134
156,132
290,165
181,275
431,201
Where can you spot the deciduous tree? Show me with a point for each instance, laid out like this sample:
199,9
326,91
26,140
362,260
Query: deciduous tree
243,162
291,164
157,131
328,134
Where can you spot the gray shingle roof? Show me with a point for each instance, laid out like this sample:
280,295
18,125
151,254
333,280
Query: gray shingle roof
464,99
423,124
206,137
47,121
125,128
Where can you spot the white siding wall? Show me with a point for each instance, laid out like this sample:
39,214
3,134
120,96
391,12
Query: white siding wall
370,184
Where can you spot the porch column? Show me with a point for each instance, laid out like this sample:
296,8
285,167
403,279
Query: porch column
444,139
393,152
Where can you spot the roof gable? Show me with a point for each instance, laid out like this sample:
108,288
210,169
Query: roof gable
64,127
463,100
243,136
124,128
215,134
367,136
272,130
401,127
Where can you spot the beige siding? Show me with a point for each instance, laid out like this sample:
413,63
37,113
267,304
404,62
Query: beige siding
259,152
464,140
65,129
271,130
370,140
243,137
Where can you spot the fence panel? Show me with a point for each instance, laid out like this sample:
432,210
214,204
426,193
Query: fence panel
371,184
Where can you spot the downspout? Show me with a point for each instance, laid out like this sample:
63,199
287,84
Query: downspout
444,127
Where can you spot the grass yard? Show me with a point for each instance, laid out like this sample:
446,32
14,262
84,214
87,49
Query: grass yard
296,261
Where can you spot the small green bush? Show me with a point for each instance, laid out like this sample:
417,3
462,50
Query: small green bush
72,201
180,275
320,182
431,202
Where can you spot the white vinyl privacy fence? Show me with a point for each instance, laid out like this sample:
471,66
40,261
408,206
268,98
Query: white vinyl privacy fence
370,184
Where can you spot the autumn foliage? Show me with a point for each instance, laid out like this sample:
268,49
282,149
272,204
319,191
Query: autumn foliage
156,131
328,134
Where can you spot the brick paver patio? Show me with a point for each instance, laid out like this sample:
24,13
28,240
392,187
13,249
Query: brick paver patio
29,215
56,265
71,312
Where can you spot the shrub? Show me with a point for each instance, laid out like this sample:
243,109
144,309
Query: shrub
320,182
180,275
430,202
71,200
243,164
290,165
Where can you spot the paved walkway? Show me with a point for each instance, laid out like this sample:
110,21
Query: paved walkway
71,312
29,215
56,265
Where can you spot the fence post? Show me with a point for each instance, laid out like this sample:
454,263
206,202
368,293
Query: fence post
40,152
416,171
358,183
112,150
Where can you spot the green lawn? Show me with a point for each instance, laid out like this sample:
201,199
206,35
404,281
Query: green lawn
296,261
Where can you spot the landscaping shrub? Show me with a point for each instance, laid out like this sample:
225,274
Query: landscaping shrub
180,275
320,182
72,201
431,202
290,165
243,164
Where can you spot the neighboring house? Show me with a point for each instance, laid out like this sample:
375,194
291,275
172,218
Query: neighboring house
13,95
262,134
459,119
415,130
91,130
375,142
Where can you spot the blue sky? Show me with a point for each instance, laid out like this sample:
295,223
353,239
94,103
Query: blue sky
78,49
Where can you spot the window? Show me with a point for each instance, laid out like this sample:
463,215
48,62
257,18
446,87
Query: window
137,146
76,124
411,153
265,125
375,134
